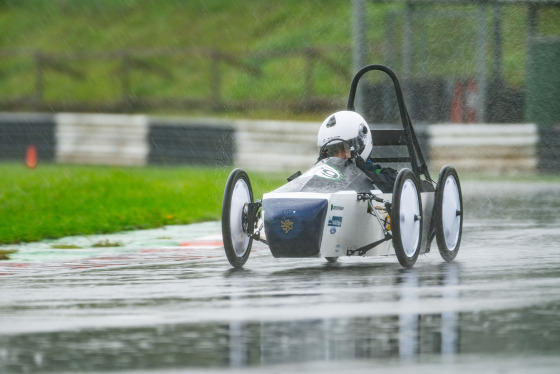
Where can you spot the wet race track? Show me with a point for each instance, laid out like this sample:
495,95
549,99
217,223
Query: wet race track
167,300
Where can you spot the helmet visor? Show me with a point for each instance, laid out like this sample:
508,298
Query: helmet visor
358,144
340,149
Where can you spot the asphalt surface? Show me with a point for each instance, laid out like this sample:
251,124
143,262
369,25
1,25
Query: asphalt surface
167,300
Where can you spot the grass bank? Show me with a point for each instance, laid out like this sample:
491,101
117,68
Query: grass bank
444,46
55,201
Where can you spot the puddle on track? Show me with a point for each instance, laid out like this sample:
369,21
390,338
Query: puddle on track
167,300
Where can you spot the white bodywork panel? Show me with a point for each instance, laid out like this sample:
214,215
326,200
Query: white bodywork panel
348,225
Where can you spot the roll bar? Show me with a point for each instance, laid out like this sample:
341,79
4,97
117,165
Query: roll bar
415,156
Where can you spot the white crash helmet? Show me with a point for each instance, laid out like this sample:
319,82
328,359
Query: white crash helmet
345,128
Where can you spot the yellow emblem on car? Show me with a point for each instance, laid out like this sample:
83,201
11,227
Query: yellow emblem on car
286,225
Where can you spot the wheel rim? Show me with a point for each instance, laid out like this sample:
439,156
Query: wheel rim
409,211
450,213
239,197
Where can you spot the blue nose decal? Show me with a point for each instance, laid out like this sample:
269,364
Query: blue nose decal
294,227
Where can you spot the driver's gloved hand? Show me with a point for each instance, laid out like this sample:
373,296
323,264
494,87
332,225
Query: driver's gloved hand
376,178
360,163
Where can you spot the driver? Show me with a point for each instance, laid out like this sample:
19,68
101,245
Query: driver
345,132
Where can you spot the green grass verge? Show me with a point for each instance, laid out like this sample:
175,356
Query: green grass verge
55,201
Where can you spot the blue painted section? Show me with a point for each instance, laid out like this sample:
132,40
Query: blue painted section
294,227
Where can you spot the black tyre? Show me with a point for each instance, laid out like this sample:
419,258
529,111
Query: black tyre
237,242
406,218
331,260
448,213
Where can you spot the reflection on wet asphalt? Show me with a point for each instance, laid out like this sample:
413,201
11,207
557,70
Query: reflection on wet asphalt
168,300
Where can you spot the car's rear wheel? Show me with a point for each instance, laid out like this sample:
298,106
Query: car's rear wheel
406,218
237,195
448,213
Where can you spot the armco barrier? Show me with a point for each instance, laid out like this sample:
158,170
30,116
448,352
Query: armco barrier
136,140
500,149
190,141
103,139
291,146
275,145
496,149
251,144
549,148
18,131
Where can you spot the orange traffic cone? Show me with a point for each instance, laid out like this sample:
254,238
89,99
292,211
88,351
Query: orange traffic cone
31,157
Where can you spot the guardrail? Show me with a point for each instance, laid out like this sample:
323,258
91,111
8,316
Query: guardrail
116,139
286,146
262,145
498,149
19,131
101,139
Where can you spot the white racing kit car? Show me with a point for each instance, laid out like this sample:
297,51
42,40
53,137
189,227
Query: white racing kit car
334,209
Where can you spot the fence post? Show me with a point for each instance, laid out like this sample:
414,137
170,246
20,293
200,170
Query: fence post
407,47
125,77
481,75
215,81
359,47
39,78
309,63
